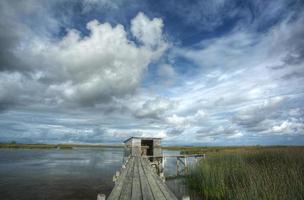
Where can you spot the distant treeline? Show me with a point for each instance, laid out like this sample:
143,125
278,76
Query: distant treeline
55,146
225,149
182,149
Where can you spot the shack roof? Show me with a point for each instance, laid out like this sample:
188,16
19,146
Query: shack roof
143,138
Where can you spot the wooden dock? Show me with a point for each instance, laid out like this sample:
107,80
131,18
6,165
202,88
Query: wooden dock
138,181
142,173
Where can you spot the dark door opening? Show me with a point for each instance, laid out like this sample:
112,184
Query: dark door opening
147,146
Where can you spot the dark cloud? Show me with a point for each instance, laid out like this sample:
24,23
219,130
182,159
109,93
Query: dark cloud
11,32
254,116
94,71
292,43
293,75
295,45
175,131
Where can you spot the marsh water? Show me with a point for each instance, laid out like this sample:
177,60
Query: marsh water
74,174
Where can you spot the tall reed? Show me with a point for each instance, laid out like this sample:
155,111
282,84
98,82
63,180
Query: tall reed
263,174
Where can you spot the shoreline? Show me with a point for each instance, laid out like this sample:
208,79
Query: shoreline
55,146
183,149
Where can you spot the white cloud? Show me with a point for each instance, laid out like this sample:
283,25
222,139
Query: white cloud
176,120
288,127
95,68
296,112
187,120
253,116
236,134
155,108
242,84
147,31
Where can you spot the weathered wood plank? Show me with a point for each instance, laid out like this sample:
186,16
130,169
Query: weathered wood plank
136,187
126,191
157,193
163,187
138,181
115,194
146,190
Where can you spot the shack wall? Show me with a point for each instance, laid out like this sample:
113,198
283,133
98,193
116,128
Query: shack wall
157,147
133,146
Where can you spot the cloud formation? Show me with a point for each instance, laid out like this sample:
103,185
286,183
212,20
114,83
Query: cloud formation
90,69
218,73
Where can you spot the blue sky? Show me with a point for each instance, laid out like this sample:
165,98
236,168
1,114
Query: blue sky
222,72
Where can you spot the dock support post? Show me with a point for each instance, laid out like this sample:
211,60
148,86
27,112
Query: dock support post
186,167
115,177
163,163
185,197
162,176
101,196
177,167
117,173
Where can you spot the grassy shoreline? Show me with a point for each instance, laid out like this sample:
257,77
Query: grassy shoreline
250,173
227,149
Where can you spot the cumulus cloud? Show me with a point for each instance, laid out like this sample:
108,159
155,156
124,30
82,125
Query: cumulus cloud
196,118
239,81
176,120
148,32
155,108
252,116
15,32
95,68
220,132
236,134
17,89
288,127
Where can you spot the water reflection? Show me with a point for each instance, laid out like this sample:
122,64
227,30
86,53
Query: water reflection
177,185
67,174
57,174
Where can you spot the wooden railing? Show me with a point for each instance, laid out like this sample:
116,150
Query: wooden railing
181,163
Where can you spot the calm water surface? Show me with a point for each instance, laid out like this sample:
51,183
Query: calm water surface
63,174
57,174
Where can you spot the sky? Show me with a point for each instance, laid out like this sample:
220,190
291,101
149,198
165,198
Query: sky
220,72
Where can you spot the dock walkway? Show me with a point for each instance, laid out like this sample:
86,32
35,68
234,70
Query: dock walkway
138,181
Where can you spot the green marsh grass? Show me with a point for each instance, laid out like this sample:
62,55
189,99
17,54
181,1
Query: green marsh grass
261,173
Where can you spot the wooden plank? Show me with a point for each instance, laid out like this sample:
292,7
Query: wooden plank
126,191
138,181
157,193
164,188
145,187
115,194
136,187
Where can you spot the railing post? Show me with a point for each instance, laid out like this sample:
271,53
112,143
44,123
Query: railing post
101,196
177,166
185,197
163,163
186,167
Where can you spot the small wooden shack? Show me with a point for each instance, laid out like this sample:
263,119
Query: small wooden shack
143,146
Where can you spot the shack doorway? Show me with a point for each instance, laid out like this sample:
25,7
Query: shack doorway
147,147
